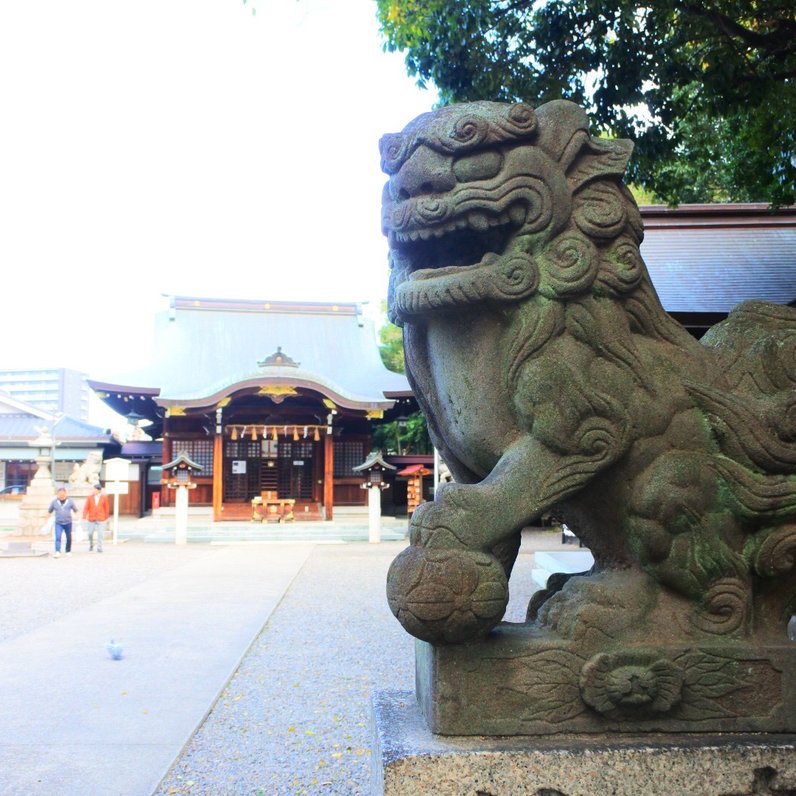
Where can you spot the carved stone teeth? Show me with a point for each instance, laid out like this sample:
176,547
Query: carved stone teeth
518,213
478,221
475,220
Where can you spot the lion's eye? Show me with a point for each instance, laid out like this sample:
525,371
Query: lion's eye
480,166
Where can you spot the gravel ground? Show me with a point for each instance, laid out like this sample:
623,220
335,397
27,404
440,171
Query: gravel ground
295,717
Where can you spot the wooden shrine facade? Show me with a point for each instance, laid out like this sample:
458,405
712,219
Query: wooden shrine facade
274,400
302,448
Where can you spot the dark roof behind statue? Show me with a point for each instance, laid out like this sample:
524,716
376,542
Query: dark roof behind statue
206,347
710,258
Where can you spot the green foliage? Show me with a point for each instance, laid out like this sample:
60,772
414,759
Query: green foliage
642,195
412,437
393,438
391,345
391,348
706,90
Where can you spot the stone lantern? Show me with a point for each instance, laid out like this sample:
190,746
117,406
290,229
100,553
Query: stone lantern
179,476
373,469
40,492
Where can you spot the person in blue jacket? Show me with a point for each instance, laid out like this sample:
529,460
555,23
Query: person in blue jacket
63,507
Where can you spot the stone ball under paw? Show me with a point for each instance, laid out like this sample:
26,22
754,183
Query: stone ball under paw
447,596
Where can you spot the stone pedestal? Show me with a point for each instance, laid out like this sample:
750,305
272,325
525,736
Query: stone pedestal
409,760
518,681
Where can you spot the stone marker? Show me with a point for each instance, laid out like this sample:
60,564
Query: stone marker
553,380
33,518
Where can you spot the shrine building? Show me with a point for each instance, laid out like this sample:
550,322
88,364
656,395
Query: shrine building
272,399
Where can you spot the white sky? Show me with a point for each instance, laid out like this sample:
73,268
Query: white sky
186,147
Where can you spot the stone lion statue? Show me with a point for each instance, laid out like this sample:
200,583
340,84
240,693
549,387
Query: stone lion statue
553,380
87,473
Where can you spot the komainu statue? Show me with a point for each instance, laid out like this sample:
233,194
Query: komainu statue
87,474
553,380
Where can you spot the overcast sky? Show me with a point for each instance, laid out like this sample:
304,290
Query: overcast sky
188,147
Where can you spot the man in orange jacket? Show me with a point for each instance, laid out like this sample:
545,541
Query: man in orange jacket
95,512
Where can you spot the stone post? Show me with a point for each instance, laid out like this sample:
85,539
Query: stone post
374,514
181,520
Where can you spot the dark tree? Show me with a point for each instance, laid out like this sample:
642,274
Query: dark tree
705,89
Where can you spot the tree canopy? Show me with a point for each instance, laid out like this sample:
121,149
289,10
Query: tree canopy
410,435
391,344
705,88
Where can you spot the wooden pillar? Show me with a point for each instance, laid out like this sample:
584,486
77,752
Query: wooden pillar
328,476
218,476
165,497
317,473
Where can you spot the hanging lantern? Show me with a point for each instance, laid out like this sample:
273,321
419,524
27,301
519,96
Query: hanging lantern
243,433
273,434
284,431
295,434
305,432
316,436
254,434
234,434
265,432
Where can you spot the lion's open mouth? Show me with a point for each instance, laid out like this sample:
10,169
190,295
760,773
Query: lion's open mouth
424,252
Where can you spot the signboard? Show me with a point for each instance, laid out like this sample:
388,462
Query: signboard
239,467
117,470
117,487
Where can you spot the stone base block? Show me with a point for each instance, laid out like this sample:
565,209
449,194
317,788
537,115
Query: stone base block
518,682
409,760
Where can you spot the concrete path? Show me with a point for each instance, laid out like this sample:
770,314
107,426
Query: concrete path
74,721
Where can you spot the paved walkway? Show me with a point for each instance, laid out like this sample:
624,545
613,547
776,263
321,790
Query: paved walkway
74,721
249,667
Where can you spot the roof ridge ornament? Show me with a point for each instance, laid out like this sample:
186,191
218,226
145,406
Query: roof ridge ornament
278,358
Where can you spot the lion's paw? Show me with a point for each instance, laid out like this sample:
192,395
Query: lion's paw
440,525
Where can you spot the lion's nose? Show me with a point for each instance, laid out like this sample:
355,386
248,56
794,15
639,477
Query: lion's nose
425,172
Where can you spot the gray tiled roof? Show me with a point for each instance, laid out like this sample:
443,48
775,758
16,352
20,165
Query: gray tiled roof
17,427
710,269
706,259
204,347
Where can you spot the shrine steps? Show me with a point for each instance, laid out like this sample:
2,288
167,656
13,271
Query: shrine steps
203,530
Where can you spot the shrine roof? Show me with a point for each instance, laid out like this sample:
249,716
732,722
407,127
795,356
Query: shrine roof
415,469
204,348
375,458
18,427
709,258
